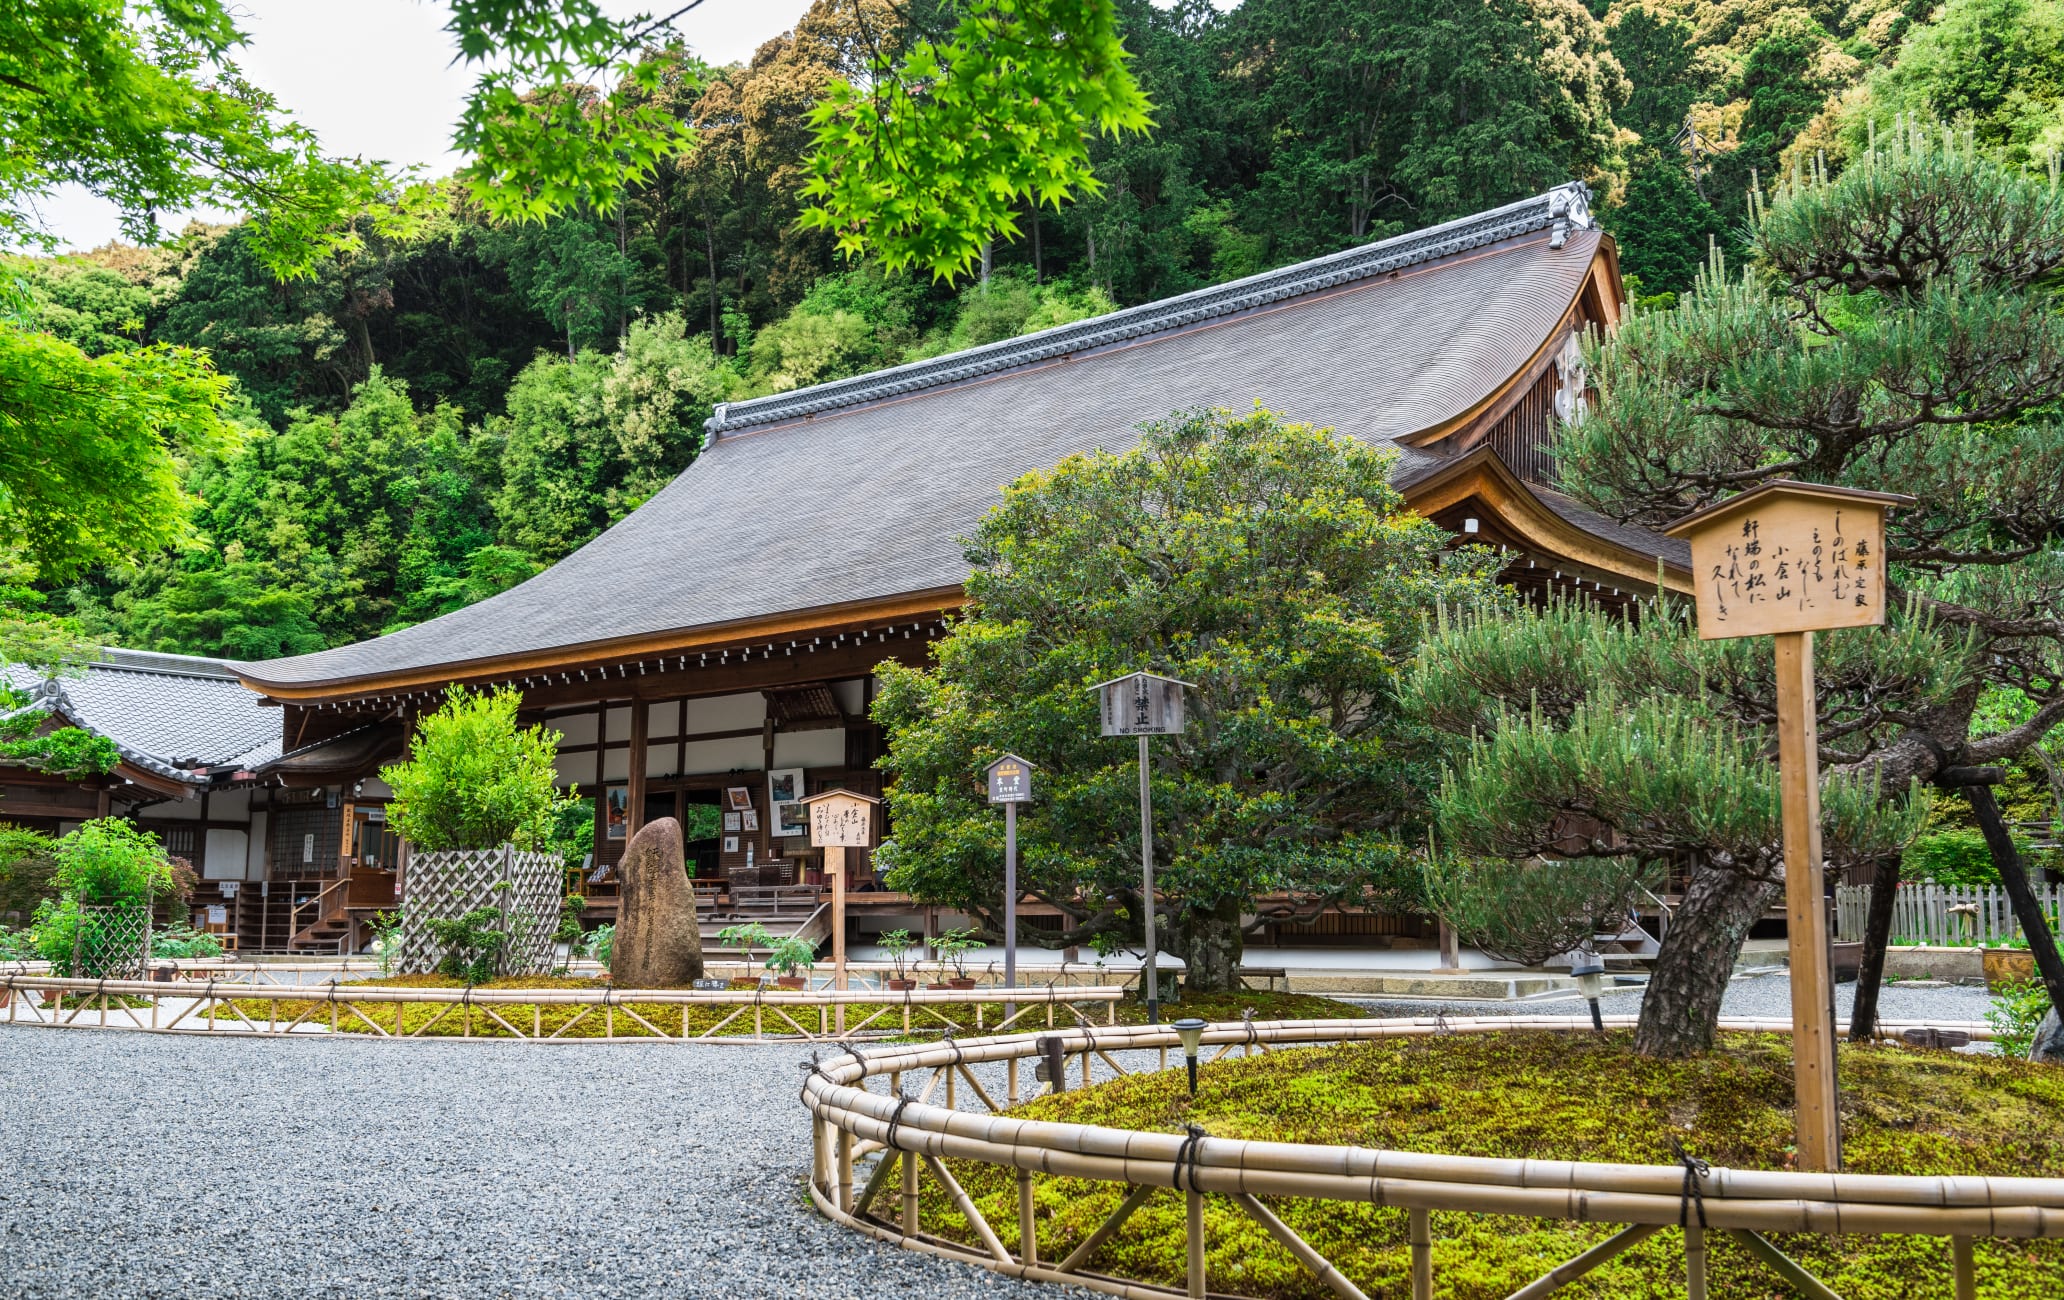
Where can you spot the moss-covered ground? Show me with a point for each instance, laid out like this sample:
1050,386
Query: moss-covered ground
435,1020
1552,1096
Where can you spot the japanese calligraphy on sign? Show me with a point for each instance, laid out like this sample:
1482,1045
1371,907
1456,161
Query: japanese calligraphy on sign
841,819
1010,780
1788,557
1141,704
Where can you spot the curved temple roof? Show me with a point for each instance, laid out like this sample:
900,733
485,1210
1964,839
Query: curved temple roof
860,489
176,716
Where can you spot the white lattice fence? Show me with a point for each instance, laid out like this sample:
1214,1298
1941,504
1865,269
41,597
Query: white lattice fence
447,885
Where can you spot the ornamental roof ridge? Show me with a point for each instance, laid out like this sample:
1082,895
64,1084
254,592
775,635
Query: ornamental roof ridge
1566,207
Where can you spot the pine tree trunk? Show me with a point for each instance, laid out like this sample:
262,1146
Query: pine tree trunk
1682,1006
1210,944
1877,936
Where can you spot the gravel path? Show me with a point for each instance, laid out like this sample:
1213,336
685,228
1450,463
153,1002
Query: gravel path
354,1168
327,1167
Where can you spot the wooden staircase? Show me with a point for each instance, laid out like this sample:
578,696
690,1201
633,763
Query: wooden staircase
322,924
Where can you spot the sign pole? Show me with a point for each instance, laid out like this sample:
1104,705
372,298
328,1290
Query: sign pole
835,867
1813,1029
1146,858
1010,907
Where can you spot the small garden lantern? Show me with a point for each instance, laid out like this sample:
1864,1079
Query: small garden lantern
1143,705
1589,968
1191,1030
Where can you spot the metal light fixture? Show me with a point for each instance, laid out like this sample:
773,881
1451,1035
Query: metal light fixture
1589,968
1191,1031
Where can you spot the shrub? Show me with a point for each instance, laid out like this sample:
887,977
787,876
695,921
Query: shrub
1956,856
109,862
27,861
2014,1014
473,779
472,944
602,943
184,941
791,955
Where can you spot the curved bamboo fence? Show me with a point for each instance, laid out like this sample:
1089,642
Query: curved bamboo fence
840,1015
912,1135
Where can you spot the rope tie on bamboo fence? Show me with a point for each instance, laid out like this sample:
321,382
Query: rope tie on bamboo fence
1188,1151
895,1118
1440,1023
1247,1019
1696,1171
959,1053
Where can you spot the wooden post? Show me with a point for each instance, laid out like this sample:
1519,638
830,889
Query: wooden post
835,867
1965,1267
1813,1027
1450,951
634,816
910,1163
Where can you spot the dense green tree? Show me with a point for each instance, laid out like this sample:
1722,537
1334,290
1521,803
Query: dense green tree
1895,333
1665,229
1993,67
244,609
1272,566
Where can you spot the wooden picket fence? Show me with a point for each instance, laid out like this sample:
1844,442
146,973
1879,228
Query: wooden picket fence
1954,916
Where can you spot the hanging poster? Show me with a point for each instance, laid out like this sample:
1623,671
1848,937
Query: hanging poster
751,817
791,818
730,844
738,798
731,821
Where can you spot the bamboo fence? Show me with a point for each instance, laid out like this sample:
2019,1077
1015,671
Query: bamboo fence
839,1015
913,1137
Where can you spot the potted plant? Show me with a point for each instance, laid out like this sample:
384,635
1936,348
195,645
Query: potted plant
746,938
477,800
898,943
793,958
953,947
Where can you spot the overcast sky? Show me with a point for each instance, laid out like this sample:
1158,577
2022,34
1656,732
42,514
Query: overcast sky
373,78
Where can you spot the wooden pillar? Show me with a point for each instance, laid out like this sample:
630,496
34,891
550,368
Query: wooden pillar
1450,950
635,815
1813,1022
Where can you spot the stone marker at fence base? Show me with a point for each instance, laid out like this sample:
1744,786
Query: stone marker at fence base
658,944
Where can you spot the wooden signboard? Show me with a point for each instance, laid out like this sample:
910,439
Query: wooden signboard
1010,780
1789,557
1141,704
1786,560
840,820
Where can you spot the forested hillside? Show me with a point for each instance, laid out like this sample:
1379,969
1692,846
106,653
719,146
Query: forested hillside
428,419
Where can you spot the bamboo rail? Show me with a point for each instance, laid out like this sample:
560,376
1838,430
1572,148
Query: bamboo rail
1743,1203
786,1012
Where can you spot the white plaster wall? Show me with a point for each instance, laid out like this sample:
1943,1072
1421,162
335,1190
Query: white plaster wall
254,859
620,722
575,769
659,760
726,713
574,728
724,755
374,788
177,810
224,854
616,765
229,805
825,748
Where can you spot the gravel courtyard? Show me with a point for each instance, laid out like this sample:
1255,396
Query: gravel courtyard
148,1165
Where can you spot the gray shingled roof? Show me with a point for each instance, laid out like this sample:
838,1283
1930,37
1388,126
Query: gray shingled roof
860,489
175,715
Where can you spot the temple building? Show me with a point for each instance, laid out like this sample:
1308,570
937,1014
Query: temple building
716,646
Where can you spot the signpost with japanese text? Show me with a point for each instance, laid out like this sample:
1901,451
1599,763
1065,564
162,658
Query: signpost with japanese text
840,820
1787,560
1010,784
1143,705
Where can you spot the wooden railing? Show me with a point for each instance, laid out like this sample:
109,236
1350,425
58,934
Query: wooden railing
216,1006
912,1136
328,904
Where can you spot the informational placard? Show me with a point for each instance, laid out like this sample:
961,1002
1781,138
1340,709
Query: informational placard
1789,557
841,819
218,914
1141,704
1010,780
